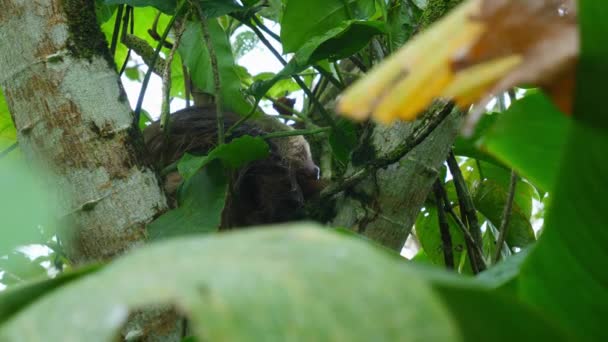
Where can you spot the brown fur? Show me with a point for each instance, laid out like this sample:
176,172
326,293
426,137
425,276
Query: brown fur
265,191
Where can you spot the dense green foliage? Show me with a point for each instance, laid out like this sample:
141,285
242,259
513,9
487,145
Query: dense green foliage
305,282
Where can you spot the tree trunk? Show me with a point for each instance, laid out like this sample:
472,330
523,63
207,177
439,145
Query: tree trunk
74,122
385,205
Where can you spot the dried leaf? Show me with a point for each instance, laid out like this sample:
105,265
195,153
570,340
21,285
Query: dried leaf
483,47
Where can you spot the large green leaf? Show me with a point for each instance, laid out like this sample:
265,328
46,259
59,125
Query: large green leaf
530,137
566,272
25,207
17,298
342,41
469,146
194,53
486,315
565,275
201,201
489,195
233,155
310,285
428,233
305,19
18,268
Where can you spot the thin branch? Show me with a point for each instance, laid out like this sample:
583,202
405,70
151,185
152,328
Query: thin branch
243,119
165,107
264,28
326,116
474,252
358,63
216,78
146,80
444,227
506,216
467,208
116,31
291,133
128,26
322,71
8,150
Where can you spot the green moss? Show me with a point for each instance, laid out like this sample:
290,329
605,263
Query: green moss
435,9
86,39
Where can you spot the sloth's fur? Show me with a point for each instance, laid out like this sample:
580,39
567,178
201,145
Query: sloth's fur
271,190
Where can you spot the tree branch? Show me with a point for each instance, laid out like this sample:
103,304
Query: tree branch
506,216
467,208
444,227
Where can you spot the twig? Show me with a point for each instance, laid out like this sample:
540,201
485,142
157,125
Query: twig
467,208
165,107
358,63
474,252
216,77
128,26
506,216
8,150
116,32
326,116
444,227
144,85
322,71
264,28
243,119
422,131
283,134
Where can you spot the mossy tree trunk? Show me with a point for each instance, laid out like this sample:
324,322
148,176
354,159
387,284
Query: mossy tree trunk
74,122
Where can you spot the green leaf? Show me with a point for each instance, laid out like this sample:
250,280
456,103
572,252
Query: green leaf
194,53
104,12
573,290
504,275
342,41
487,315
8,134
427,231
17,298
305,19
280,87
490,195
565,274
469,146
233,155
201,201
166,6
25,206
343,140
402,23
18,268
530,136
217,8
219,280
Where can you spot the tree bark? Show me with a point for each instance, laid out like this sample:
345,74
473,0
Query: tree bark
74,122
385,205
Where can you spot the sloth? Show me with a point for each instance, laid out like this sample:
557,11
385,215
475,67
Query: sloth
271,190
